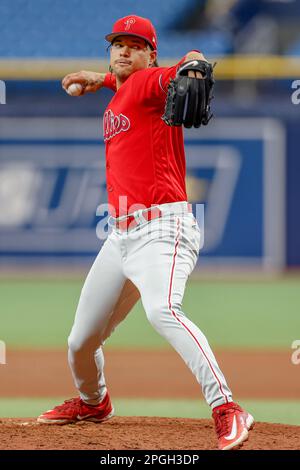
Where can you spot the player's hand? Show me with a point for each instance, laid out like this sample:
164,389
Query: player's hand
193,74
198,56
90,81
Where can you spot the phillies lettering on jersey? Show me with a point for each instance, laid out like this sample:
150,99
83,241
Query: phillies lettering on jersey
145,159
113,125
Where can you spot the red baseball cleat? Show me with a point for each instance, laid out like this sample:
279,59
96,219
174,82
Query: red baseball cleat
232,425
77,410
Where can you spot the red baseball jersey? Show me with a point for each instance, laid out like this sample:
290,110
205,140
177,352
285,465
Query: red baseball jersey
145,159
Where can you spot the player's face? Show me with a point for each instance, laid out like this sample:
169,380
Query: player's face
129,54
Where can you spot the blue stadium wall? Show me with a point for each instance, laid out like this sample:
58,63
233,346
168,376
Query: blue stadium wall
252,217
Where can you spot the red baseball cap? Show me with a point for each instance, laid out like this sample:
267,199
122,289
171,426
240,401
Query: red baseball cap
133,25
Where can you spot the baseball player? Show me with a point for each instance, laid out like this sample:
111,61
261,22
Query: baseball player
154,243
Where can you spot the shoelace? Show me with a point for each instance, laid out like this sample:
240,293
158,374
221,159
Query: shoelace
68,404
223,420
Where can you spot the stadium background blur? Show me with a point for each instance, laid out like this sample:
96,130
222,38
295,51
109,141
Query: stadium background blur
244,167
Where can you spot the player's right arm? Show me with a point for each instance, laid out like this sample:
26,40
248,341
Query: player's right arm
90,81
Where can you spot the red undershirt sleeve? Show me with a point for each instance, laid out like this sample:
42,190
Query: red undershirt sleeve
110,81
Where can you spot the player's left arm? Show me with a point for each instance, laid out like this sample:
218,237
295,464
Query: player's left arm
163,78
169,73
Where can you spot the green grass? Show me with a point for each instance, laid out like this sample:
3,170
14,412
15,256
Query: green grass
287,412
39,314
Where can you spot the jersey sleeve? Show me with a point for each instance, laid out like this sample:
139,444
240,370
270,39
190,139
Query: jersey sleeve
110,82
152,83
167,74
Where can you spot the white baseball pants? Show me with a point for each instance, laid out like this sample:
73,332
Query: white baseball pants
152,261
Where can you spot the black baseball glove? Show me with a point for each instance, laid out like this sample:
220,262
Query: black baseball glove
188,99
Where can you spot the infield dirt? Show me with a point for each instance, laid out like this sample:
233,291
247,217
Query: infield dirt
145,374
133,433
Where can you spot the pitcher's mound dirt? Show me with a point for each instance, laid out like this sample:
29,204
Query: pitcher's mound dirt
132,433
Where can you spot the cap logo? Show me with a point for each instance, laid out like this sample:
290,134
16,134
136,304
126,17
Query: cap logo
128,23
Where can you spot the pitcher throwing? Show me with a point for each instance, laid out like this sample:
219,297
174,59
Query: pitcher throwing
155,239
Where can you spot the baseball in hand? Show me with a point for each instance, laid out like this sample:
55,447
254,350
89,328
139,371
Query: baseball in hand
75,89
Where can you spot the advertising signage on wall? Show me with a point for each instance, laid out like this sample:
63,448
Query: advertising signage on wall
52,190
